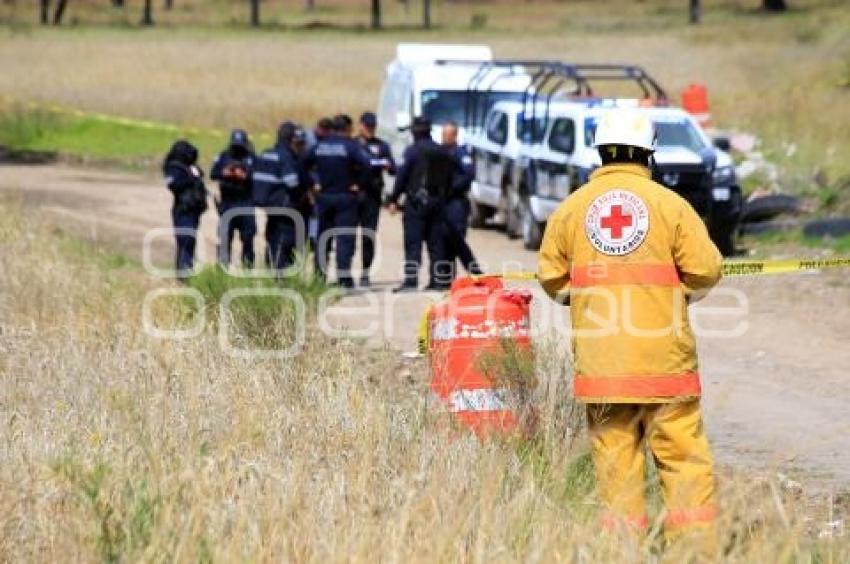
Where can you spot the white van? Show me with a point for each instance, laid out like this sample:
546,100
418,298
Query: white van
442,83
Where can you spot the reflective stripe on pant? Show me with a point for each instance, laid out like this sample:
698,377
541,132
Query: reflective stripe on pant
675,437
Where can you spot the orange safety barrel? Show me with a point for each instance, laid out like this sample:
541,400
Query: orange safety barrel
695,102
471,332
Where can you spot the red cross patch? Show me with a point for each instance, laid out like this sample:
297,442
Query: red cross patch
617,222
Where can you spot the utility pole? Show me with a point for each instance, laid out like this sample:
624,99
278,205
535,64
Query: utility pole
255,13
147,13
426,14
696,12
60,12
376,14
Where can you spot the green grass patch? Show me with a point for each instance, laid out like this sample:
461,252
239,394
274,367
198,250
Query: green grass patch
767,243
97,137
264,319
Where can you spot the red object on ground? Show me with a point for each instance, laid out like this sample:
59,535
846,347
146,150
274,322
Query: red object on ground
478,322
695,102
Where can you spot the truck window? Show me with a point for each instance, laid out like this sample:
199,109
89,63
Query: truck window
671,133
497,128
563,136
442,106
530,130
679,133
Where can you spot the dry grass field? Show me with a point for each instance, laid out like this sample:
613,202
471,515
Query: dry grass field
120,447
783,77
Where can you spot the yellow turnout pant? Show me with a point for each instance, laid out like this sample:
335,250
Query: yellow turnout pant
675,437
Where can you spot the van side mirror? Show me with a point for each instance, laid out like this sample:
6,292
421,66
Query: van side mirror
722,143
402,121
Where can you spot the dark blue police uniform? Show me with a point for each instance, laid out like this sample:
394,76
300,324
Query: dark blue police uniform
370,198
233,169
185,181
278,182
458,209
423,218
341,168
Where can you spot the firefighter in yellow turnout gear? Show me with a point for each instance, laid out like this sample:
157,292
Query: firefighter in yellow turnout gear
628,255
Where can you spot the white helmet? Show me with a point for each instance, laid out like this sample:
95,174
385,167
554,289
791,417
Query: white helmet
623,126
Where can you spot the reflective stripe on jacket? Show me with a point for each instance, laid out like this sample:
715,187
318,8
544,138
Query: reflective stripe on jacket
629,254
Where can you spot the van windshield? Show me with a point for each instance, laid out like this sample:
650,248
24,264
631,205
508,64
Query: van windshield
442,106
671,133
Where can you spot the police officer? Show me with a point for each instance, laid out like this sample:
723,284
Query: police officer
281,185
186,182
424,179
233,169
457,206
342,169
369,202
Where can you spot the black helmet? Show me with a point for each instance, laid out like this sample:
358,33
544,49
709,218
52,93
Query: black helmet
286,132
182,152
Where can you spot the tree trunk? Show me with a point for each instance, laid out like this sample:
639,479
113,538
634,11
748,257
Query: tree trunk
309,5
774,5
117,3
426,14
147,13
45,12
169,4
695,12
376,14
60,12
255,13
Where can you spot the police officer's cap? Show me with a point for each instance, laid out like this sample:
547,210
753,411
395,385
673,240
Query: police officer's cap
239,138
369,119
421,124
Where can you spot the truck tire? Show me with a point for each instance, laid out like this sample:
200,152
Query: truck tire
768,207
513,213
478,214
835,227
532,230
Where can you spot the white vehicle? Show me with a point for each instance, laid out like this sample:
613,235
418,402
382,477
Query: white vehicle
564,156
441,82
497,148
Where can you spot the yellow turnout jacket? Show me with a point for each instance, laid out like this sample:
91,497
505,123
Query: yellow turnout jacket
628,254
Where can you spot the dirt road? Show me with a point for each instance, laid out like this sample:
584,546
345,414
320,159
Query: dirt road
777,396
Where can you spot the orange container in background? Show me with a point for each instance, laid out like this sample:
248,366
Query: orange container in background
695,102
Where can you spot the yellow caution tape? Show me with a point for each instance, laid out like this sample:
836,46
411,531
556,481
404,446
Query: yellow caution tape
423,339
117,120
748,268
733,268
